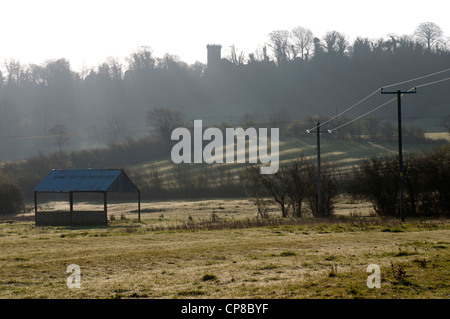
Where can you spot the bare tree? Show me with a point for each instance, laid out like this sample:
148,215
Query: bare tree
115,68
330,39
14,69
164,121
116,129
171,62
291,186
342,44
430,33
257,194
113,132
362,45
303,40
104,71
260,55
335,43
280,45
198,68
61,137
141,59
236,58
58,72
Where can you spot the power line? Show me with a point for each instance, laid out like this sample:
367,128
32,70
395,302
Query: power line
361,116
384,104
367,97
434,82
387,86
348,109
415,79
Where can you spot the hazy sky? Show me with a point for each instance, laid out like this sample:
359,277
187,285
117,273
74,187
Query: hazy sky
86,32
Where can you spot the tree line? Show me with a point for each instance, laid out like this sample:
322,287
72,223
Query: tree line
293,189
295,71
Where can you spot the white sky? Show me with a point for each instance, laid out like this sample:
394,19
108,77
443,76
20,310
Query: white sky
86,32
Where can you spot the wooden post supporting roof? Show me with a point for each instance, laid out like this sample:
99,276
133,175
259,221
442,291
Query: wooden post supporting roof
71,205
35,207
105,206
139,206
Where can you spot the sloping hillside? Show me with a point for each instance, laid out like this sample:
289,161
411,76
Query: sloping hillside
344,153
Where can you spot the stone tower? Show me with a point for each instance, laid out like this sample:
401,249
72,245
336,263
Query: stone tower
214,56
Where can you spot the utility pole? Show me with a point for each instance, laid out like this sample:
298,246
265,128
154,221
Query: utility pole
319,192
399,94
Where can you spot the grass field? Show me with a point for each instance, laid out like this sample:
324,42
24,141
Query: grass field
217,249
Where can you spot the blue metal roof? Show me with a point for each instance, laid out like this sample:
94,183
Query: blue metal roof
87,180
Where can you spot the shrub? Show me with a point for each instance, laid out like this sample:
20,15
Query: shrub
292,186
11,198
329,189
434,170
376,180
426,183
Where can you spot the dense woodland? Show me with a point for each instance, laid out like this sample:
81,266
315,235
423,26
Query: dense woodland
294,76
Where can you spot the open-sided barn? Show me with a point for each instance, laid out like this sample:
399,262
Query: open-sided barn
82,181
